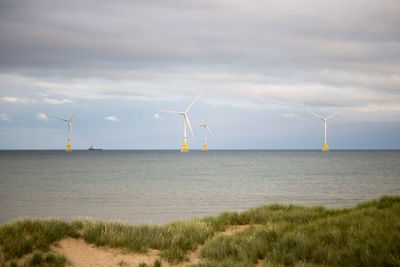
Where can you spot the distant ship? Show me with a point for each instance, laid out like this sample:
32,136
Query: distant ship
92,148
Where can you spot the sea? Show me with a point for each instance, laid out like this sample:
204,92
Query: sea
161,186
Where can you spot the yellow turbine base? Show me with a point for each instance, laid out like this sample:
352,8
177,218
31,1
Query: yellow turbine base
205,148
68,148
325,148
184,147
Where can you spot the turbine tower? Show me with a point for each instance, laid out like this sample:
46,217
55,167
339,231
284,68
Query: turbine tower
325,146
68,148
184,147
206,128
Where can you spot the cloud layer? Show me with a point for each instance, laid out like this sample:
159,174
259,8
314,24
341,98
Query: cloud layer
309,53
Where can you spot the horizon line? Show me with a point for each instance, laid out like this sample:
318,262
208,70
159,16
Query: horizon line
225,149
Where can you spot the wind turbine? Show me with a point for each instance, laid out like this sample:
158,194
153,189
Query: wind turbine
325,146
68,148
184,147
206,128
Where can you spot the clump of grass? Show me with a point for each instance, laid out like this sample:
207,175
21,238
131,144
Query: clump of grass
238,247
219,223
174,255
250,245
50,260
23,237
142,264
223,263
174,239
12,264
157,263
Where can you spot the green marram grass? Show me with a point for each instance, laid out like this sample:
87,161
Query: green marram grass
279,235
22,237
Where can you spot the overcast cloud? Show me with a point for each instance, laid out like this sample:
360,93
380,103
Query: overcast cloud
285,56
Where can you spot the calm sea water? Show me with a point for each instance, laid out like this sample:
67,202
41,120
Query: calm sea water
160,186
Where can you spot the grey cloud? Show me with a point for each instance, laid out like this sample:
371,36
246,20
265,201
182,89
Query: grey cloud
152,32
256,51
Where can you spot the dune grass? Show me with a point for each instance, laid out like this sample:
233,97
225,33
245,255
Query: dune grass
38,259
279,235
25,236
174,239
367,235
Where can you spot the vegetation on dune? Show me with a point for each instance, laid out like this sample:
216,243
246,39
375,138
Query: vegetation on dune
49,260
40,259
23,237
157,263
279,235
174,239
367,235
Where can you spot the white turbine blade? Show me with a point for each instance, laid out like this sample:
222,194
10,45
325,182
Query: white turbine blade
315,115
61,119
190,127
173,112
208,128
192,103
334,114
75,113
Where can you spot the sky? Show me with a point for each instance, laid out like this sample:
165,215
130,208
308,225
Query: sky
259,66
